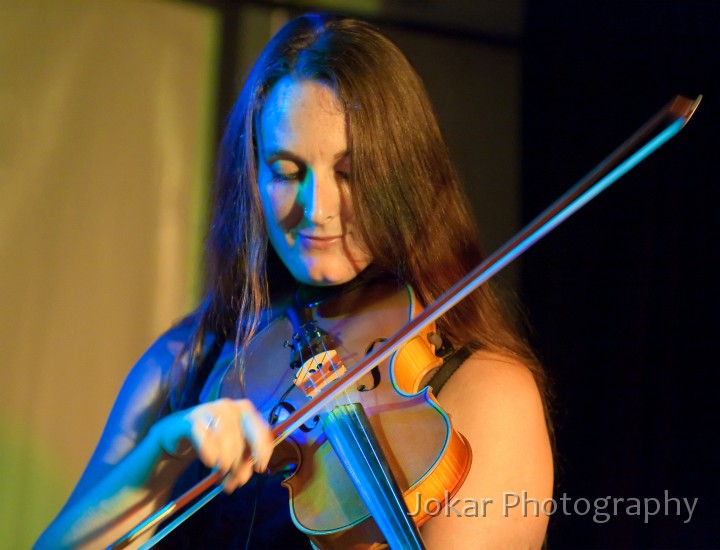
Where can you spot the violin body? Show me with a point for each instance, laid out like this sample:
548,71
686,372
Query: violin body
301,352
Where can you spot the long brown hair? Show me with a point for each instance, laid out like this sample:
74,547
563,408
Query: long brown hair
411,210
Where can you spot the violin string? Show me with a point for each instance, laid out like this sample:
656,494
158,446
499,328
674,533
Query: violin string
319,364
383,477
303,361
365,435
361,452
366,452
387,478
335,367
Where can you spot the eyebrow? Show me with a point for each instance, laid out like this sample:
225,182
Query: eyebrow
285,154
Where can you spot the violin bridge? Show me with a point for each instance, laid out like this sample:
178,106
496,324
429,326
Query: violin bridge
319,371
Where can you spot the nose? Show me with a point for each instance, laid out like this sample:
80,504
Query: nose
320,197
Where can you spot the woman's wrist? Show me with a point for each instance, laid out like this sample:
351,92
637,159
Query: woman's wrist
167,435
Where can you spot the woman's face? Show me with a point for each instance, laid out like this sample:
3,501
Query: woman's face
303,170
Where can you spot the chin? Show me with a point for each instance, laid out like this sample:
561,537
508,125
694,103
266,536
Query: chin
326,275
326,280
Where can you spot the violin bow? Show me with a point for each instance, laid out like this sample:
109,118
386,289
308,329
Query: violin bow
665,124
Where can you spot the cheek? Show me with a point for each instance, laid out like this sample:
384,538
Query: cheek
347,210
280,204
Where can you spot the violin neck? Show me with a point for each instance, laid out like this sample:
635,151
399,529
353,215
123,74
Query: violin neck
351,436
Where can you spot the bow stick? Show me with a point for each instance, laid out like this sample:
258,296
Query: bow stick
648,138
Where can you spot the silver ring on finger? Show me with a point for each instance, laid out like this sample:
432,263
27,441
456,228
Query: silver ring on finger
213,423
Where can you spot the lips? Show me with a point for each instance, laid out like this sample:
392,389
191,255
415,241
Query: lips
315,242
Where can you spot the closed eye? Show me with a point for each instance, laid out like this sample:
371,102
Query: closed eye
287,171
293,177
342,166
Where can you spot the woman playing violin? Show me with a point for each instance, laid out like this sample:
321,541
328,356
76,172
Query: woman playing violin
332,167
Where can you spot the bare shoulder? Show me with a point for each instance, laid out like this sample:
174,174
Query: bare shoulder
495,403
143,392
158,359
488,382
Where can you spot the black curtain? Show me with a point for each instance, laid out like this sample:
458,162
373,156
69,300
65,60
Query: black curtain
623,295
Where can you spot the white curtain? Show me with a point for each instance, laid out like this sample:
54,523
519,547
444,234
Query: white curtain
106,121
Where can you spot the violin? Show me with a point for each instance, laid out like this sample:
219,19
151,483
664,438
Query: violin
337,392
408,445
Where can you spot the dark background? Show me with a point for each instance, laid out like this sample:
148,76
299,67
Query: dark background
622,297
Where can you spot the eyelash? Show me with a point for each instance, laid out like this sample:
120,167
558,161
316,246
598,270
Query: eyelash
297,176
294,177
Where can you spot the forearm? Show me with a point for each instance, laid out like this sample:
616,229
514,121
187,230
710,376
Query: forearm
134,488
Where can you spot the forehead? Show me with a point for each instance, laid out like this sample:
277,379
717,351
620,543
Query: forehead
298,110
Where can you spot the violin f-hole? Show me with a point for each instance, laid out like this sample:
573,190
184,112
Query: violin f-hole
375,372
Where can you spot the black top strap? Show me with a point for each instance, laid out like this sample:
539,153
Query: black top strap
451,363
